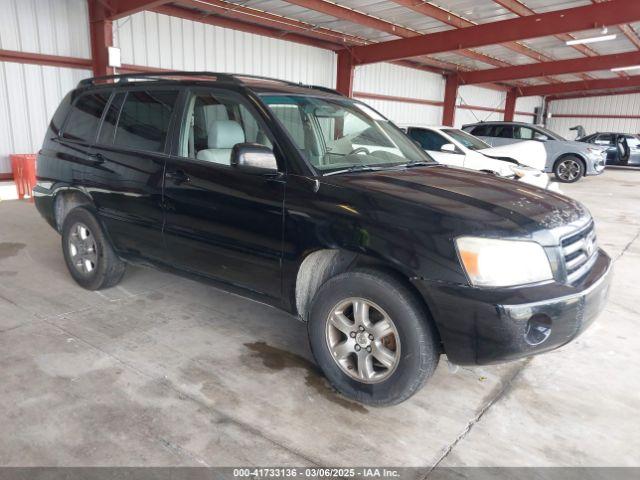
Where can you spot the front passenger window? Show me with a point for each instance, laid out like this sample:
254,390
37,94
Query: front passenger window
214,125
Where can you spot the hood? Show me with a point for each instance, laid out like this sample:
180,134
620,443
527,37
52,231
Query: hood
474,202
529,153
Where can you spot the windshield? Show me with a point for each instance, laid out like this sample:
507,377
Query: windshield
469,141
550,134
335,133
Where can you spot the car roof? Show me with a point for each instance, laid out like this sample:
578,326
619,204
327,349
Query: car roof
190,78
500,122
417,125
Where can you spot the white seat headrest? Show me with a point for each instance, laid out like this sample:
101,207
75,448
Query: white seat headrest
224,134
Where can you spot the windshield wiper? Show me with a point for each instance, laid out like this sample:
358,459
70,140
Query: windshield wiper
354,168
418,163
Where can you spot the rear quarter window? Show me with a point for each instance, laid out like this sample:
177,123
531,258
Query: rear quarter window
84,117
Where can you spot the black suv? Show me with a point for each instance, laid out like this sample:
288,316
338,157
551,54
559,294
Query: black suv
315,203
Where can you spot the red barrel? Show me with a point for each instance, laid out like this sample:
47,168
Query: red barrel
23,167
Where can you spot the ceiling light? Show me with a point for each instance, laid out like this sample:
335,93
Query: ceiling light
622,69
600,38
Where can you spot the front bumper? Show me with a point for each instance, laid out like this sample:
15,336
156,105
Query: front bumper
483,326
596,165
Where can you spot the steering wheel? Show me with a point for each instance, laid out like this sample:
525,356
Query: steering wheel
355,151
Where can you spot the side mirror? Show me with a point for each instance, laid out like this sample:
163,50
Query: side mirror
254,158
542,138
448,147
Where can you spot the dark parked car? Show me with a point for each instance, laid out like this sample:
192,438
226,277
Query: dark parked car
310,201
568,160
622,148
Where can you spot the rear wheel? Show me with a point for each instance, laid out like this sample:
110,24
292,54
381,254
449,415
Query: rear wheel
90,258
569,169
372,337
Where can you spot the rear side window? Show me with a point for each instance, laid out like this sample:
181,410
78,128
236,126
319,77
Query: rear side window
481,131
144,120
504,131
84,117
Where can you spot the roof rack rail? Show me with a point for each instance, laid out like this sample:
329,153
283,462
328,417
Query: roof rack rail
125,77
325,89
228,77
240,76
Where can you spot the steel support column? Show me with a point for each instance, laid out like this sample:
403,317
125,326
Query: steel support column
344,80
101,31
510,105
450,98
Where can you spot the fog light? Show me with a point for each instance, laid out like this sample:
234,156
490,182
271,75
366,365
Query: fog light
538,329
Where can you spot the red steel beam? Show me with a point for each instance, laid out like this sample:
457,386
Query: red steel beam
519,8
592,94
587,17
510,105
434,103
40,59
557,67
101,36
626,29
248,14
584,85
450,98
344,81
456,21
345,13
287,30
255,28
124,8
589,115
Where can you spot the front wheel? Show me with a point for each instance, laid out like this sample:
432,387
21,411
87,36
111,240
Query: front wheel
569,169
372,337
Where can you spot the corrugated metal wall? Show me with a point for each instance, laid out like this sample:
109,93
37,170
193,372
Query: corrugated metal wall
156,40
623,105
527,104
29,94
478,96
397,81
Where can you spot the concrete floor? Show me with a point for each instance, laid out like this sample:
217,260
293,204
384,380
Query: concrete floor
165,371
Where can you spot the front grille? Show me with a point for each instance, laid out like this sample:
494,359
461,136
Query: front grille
579,251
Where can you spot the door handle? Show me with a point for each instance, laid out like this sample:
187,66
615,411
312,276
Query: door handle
177,176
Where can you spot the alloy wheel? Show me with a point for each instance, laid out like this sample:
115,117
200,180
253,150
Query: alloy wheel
82,249
568,170
363,340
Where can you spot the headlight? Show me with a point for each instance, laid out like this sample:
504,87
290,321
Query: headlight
520,170
596,152
503,263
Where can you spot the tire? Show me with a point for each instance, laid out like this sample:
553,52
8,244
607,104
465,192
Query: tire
90,258
414,349
569,169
